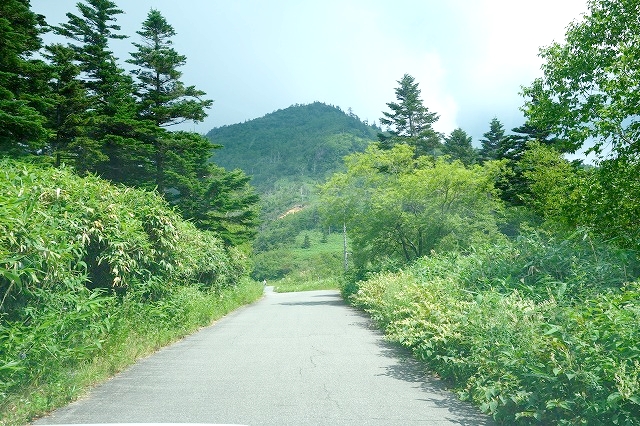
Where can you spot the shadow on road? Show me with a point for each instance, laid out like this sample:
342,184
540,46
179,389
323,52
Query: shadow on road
318,303
409,369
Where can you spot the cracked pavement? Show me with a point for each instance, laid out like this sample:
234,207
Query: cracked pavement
290,359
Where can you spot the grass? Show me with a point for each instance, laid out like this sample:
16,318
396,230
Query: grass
299,282
318,267
141,339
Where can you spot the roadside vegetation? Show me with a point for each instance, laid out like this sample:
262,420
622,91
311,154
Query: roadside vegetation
510,271
93,277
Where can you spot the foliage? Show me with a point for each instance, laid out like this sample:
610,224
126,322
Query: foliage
162,97
492,139
555,186
589,88
409,121
22,79
322,260
164,100
458,147
610,205
541,330
397,208
101,255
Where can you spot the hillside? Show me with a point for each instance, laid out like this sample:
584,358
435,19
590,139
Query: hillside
298,143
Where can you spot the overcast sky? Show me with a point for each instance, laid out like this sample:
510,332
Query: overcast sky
252,57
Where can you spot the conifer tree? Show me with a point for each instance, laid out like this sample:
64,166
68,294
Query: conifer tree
67,115
161,97
410,121
23,94
492,139
459,147
114,145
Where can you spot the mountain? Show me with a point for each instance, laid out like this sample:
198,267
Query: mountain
298,143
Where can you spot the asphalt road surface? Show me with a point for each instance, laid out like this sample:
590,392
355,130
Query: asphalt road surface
290,359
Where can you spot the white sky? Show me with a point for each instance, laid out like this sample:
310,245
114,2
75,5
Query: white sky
252,57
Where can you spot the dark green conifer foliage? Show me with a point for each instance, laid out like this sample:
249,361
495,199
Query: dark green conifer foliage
68,112
23,96
410,121
161,97
490,149
115,143
458,146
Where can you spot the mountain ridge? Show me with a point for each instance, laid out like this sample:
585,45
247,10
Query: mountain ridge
299,143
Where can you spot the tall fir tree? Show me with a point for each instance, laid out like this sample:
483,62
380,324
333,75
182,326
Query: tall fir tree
490,145
161,97
67,114
23,89
410,121
214,199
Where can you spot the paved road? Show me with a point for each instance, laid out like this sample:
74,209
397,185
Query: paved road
289,359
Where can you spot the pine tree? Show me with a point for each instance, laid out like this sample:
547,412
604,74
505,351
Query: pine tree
492,139
459,147
410,121
215,199
23,93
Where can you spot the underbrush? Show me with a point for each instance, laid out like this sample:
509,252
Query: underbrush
93,274
98,336
304,281
542,330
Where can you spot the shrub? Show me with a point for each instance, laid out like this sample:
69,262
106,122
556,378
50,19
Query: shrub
539,330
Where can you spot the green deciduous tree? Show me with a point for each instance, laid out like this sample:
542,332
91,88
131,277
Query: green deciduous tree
589,90
410,121
458,146
554,185
23,94
398,208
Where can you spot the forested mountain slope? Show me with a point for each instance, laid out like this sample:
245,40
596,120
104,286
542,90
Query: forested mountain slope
298,143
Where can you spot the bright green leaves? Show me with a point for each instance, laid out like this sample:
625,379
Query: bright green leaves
398,208
589,90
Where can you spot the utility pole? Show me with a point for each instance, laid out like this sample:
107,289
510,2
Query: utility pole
344,240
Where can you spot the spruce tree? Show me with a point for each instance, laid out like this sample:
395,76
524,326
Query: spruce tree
410,121
459,147
23,93
160,95
492,139
114,145
68,111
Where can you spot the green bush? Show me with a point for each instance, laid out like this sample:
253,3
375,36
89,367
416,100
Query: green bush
539,331
86,266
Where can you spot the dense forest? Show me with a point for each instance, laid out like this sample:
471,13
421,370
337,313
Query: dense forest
510,271
296,143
